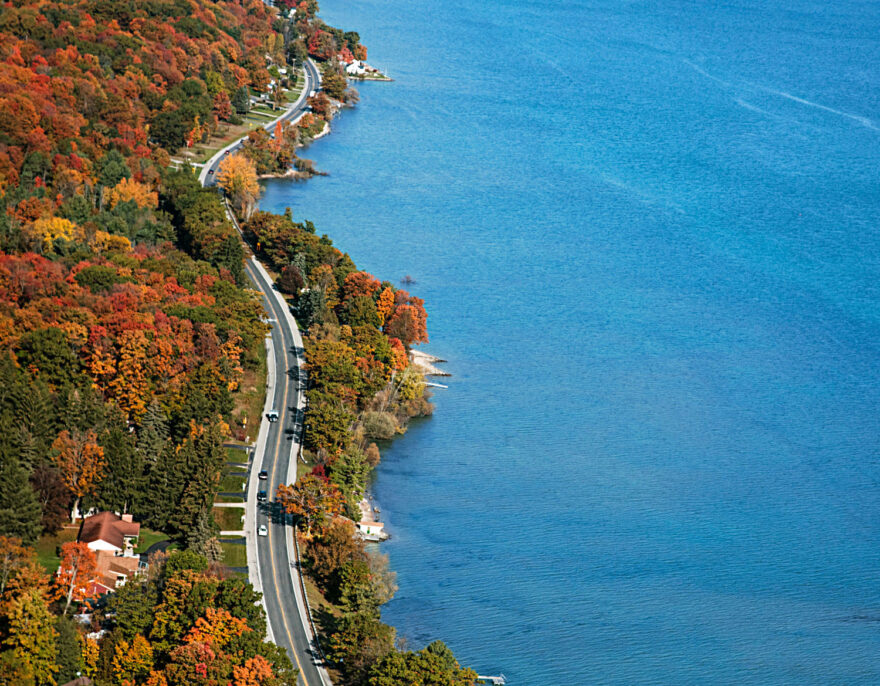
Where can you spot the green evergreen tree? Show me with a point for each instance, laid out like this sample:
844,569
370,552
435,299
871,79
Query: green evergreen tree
112,169
202,537
69,655
165,487
20,511
202,463
49,352
79,408
153,432
231,256
356,592
310,307
123,482
132,607
33,411
241,100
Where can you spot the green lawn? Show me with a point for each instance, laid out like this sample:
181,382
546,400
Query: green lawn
147,538
229,499
229,518
236,455
48,547
234,554
232,484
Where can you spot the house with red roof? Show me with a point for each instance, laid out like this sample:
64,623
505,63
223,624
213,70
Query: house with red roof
113,538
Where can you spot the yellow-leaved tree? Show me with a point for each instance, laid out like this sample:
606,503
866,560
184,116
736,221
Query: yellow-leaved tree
238,177
81,462
129,189
49,229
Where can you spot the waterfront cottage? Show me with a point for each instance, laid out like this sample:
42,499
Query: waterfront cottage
372,531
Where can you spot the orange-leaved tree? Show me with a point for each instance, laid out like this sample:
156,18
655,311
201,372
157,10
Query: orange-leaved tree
78,565
256,671
12,555
238,177
385,304
81,462
359,283
314,499
216,628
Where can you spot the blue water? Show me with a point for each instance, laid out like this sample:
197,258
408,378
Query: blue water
647,236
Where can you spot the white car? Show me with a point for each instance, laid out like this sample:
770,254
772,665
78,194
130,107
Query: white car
263,530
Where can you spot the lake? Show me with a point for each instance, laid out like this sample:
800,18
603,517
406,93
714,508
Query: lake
646,235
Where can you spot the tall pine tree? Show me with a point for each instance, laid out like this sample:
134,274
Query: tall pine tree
20,511
153,433
123,481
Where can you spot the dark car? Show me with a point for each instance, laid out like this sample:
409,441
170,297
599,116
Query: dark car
261,496
210,171
264,475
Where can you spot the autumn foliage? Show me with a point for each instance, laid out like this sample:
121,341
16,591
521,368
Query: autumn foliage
81,463
238,177
73,581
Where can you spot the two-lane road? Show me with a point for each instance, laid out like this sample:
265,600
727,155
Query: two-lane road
281,596
311,82
276,561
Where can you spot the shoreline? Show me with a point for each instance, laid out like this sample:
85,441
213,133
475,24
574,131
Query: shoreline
422,362
296,174
426,363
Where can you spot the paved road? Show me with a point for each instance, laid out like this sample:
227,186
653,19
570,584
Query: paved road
311,82
281,594
276,561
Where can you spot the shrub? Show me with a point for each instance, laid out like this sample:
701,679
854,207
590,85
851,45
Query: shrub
381,425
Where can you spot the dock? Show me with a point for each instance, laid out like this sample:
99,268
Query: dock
495,680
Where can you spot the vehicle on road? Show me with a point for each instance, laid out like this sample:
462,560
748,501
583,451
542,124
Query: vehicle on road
263,530
261,496
264,475
273,415
210,171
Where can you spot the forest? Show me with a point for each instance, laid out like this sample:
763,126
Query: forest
127,332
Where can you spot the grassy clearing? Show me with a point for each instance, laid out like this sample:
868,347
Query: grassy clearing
236,455
229,518
234,554
49,546
250,399
317,601
202,152
232,484
229,499
147,538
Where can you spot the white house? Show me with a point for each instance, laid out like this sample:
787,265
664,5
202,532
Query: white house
110,532
356,68
372,531
112,538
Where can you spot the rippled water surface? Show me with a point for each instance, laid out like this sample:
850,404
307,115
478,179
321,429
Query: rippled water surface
647,236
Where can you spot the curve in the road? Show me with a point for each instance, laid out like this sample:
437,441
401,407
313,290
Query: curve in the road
280,592
312,80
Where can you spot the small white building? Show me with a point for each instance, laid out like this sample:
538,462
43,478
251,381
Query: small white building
372,531
356,68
